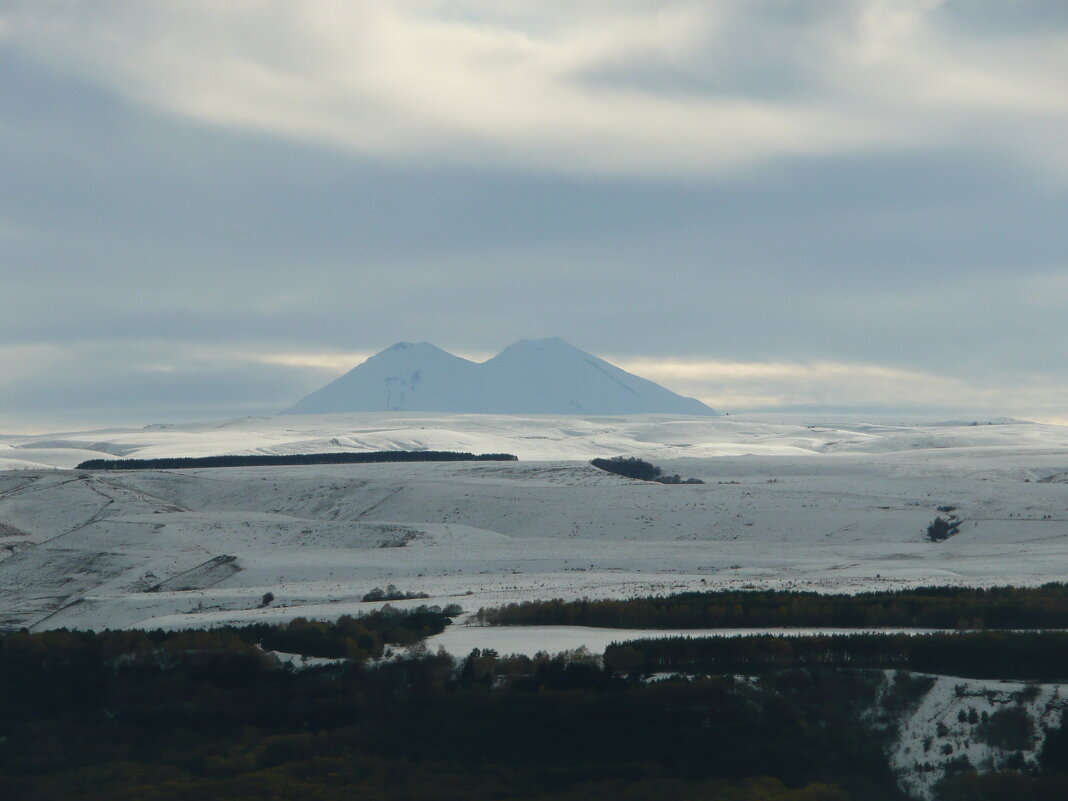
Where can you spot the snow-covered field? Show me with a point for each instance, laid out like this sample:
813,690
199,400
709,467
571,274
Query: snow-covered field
529,640
830,507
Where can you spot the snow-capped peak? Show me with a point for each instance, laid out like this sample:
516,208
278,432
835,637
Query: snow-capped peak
531,376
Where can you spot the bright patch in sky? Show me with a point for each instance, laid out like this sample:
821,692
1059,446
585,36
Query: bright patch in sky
636,87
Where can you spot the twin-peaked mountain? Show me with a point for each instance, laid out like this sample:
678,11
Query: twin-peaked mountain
539,376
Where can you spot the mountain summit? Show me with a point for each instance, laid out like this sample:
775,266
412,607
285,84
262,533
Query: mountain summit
532,376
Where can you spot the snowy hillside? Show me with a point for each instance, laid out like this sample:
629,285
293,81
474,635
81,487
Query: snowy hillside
545,376
830,507
951,725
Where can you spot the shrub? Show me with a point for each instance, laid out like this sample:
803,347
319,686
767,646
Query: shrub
941,529
1010,729
391,593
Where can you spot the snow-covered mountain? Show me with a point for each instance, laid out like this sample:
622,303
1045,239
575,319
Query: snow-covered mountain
533,376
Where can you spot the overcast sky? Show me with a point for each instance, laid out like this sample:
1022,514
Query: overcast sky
209,209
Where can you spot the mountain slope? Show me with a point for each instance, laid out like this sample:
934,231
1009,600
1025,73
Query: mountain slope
545,376
401,378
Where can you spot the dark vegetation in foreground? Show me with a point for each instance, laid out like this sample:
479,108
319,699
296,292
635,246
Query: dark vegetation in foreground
207,715
271,460
632,467
924,607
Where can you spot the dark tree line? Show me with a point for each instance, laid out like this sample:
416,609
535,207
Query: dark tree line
273,460
1023,656
924,607
359,638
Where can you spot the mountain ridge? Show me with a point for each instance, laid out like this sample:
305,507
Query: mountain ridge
530,376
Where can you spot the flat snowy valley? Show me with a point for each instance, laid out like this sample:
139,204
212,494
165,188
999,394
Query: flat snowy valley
826,507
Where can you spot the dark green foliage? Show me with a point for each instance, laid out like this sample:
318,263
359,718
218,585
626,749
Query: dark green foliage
1054,754
1009,729
981,655
268,460
391,593
350,637
906,690
924,607
203,715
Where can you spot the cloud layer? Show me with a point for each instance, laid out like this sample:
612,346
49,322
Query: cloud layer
211,209
627,87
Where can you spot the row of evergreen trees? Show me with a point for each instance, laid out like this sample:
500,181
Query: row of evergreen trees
924,607
283,459
1021,656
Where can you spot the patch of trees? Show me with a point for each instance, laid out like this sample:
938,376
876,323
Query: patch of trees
274,460
359,638
1009,729
942,529
207,715
391,593
924,607
1025,656
632,467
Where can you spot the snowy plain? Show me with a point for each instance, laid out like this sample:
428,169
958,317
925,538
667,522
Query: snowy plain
830,507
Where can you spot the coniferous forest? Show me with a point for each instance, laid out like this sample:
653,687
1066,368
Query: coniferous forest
216,714
923,607
202,715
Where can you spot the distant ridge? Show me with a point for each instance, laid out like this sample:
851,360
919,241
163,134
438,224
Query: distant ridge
532,376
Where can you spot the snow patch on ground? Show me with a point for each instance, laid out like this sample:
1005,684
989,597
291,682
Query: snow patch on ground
459,640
